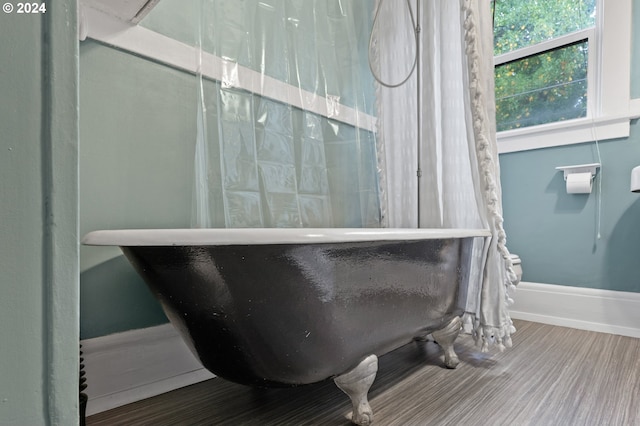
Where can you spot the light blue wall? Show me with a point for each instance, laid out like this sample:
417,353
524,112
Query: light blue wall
137,127
38,217
554,232
21,310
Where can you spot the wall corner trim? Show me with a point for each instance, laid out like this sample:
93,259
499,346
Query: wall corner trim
606,311
127,367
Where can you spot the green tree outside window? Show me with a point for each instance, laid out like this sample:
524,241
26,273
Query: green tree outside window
549,85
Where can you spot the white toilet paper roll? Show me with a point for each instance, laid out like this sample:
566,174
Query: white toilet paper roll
579,183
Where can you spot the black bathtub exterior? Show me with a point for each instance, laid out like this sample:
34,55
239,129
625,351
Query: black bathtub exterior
291,314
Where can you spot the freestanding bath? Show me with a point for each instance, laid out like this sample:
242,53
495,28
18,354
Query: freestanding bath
274,307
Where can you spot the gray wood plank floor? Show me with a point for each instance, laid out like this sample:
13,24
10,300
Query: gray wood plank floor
551,376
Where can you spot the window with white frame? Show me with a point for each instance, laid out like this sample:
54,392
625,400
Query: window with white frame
542,58
561,71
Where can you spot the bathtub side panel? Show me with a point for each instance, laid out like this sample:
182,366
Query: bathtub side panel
295,314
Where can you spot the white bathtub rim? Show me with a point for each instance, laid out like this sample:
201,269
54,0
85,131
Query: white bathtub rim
263,236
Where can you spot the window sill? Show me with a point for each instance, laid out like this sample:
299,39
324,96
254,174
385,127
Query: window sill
568,132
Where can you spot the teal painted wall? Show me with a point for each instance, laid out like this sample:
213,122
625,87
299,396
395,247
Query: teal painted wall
38,211
137,131
21,263
554,232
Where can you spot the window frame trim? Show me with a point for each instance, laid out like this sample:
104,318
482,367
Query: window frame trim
610,109
544,46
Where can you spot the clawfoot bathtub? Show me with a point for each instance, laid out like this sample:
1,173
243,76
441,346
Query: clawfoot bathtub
282,307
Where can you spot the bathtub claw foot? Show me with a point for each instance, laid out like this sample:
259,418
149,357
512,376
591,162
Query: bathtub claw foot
445,338
356,384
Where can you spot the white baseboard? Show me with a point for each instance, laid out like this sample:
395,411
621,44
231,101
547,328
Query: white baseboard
127,367
615,312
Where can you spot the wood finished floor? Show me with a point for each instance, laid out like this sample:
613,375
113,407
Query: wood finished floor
551,376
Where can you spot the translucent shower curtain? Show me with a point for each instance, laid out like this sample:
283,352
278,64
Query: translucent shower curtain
285,115
440,126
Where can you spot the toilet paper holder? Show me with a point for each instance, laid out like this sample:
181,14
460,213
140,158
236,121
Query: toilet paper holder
579,178
581,168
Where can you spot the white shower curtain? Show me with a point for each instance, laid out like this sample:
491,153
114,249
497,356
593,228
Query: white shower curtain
448,105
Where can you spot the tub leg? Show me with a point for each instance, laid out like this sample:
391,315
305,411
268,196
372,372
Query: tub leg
356,384
445,338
